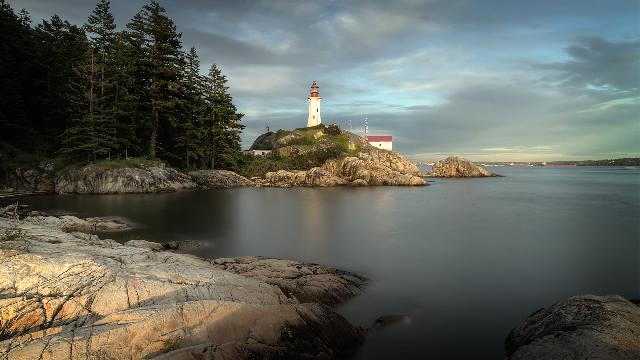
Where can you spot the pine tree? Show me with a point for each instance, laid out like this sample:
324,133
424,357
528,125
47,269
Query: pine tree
63,47
190,127
154,36
222,126
100,29
91,132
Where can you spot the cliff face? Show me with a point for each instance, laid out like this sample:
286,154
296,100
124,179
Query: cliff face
457,167
581,327
333,159
74,295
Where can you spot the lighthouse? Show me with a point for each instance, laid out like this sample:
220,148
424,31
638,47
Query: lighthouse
314,106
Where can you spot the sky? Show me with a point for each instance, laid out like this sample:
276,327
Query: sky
492,80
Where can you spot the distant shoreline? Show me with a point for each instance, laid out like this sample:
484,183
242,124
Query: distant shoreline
605,162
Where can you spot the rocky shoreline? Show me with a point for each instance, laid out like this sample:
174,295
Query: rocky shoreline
320,160
66,294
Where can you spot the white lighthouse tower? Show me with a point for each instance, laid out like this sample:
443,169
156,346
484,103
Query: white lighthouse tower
314,106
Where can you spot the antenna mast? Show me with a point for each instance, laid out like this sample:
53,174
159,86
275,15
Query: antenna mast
366,129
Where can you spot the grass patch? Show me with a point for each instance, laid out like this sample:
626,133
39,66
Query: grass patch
343,141
282,133
12,235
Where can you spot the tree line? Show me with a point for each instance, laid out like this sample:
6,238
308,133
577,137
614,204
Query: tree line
91,92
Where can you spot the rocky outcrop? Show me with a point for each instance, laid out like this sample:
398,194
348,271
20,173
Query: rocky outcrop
581,327
389,169
74,295
317,177
99,180
66,222
457,167
216,179
38,178
343,171
306,282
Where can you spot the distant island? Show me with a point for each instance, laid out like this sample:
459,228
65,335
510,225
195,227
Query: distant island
604,162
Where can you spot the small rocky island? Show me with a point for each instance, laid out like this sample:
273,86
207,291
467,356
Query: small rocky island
68,294
327,156
457,167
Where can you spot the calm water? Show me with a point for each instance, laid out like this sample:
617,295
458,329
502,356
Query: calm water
466,260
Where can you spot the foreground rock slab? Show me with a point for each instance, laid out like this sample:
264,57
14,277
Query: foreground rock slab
457,167
74,295
581,327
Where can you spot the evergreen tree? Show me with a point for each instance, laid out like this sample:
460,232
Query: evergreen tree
63,46
15,45
100,29
91,132
190,132
222,126
153,35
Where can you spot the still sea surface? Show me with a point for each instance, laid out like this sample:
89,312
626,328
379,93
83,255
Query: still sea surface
465,260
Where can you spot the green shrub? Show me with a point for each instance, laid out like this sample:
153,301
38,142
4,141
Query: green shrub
343,141
332,130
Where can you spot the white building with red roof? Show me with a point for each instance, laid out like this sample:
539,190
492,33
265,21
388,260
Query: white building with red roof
384,142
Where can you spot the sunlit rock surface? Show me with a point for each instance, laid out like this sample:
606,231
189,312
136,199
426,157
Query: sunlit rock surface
581,327
73,295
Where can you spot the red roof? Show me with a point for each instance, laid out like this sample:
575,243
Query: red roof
381,138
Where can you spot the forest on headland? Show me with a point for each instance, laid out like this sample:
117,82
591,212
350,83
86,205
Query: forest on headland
91,92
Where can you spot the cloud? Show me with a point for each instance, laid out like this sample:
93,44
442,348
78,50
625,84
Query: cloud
600,65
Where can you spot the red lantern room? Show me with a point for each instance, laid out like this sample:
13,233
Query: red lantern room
314,89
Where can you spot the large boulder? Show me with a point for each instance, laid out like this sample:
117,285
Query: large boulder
93,179
74,295
215,179
457,167
304,281
581,327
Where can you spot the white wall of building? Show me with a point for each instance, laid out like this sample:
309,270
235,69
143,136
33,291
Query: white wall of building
384,145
